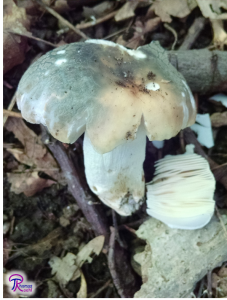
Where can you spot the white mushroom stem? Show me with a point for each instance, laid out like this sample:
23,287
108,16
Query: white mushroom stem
117,177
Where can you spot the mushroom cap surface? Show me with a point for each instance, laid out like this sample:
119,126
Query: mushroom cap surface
107,89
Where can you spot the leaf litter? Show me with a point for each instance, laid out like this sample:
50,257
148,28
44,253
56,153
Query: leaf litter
33,154
140,24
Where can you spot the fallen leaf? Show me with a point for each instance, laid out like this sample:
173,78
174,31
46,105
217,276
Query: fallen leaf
53,290
219,119
212,8
63,268
219,283
176,8
35,155
140,29
68,268
45,244
204,130
83,287
28,183
14,46
98,10
126,11
220,35
61,6
223,272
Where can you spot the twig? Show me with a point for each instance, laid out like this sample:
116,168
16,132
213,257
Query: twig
33,38
193,33
120,268
111,263
10,113
94,295
116,229
10,107
115,33
98,21
201,288
168,27
62,20
93,213
209,284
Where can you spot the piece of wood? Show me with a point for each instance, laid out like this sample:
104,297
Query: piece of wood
205,71
10,113
193,33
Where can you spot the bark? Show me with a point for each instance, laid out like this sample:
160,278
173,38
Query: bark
205,71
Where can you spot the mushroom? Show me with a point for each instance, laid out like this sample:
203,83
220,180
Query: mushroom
119,96
181,193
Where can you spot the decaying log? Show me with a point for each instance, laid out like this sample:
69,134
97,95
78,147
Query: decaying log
205,71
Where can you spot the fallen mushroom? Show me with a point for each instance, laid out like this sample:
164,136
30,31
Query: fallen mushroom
119,96
181,193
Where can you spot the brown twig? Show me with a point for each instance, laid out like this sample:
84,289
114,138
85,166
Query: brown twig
120,268
209,284
190,138
10,107
93,213
116,229
168,27
33,38
94,295
193,33
111,263
63,20
10,113
98,21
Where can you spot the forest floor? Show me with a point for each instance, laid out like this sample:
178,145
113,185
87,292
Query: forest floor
41,217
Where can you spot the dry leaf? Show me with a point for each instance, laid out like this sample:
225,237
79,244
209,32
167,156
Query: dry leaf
219,119
83,287
63,268
220,35
28,183
36,156
219,283
176,8
140,29
61,6
45,244
98,10
14,46
68,268
126,11
212,8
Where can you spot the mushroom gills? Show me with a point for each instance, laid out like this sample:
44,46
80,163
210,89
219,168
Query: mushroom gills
181,193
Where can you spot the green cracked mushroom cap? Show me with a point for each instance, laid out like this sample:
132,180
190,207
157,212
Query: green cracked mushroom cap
108,90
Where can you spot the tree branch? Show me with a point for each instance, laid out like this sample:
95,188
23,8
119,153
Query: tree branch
205,71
